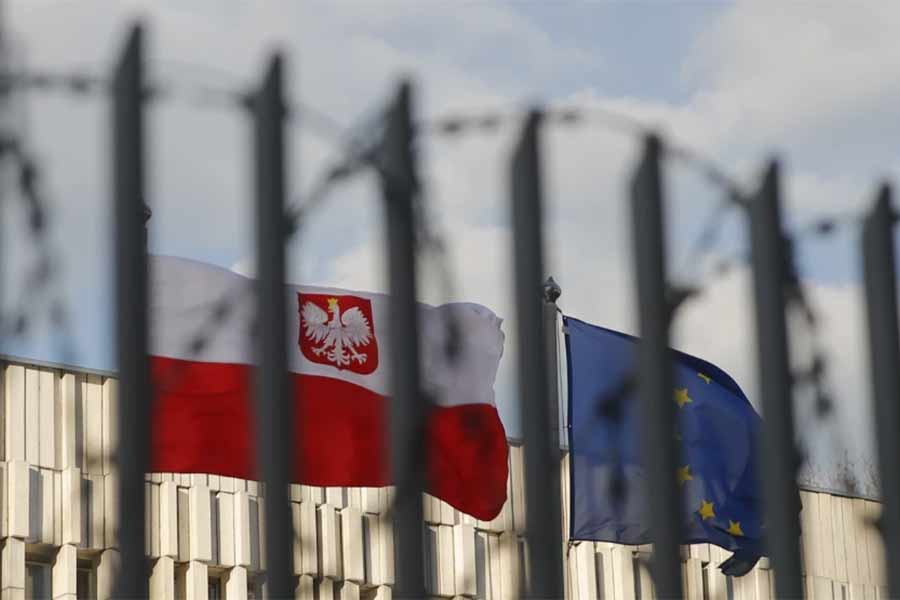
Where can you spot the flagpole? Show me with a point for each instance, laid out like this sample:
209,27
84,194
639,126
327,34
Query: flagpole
552,292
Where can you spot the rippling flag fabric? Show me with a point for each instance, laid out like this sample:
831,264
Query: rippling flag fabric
718,434
339,359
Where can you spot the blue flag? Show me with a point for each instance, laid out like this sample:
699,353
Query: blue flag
718,433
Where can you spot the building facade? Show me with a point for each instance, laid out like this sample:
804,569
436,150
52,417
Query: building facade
58,523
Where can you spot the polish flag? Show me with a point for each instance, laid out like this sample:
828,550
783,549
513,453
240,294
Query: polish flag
339,354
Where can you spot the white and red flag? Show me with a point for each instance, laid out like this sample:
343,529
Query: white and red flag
203,419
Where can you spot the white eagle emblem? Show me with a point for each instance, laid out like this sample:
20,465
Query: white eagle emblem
338,336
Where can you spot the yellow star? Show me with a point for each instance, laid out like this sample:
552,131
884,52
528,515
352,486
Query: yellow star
681,397
734,528
705,378
684,474
706,510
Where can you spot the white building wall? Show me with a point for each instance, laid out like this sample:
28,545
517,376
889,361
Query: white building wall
58,511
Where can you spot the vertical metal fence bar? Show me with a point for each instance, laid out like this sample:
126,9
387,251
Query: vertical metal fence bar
541,459
408,404
274,399
779,454
654,372
880,271
132,455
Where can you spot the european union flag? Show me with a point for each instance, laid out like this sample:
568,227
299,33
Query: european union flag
718,433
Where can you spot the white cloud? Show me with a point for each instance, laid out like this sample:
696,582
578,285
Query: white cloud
800,65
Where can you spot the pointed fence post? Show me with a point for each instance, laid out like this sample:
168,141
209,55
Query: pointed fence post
779,453
880,271
132,454
276,438
409,406
541,458
654,372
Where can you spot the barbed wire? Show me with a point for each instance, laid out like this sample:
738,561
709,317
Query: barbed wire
85,83
815,376
492,121
827,225
195,95
39,279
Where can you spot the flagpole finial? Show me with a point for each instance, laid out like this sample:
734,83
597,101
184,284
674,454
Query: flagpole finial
552,291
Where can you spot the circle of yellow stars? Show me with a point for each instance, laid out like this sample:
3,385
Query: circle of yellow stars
707,510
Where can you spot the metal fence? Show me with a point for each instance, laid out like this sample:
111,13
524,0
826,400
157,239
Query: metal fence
776,291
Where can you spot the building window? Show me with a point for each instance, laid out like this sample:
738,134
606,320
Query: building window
643,580
429,557
86,583
482,567
600,576
214,589
524,573
705,570
37,581
368,523
368,594
254,588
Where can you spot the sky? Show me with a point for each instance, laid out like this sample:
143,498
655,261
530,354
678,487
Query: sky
813,84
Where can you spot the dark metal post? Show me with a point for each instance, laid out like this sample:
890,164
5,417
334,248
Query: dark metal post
880,271
274,399
654,372
541,457
779,453
132,455
408,404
